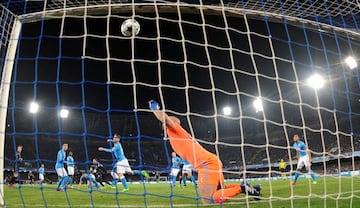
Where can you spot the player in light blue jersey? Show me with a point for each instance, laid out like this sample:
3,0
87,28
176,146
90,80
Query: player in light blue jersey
175,168
187,172
89,178
70,167
122,165
59,167
41,171
303,155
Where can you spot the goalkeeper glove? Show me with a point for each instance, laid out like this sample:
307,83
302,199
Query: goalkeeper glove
153,105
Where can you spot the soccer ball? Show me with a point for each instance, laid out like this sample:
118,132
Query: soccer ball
130,27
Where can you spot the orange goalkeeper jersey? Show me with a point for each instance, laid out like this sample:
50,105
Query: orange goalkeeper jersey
207,164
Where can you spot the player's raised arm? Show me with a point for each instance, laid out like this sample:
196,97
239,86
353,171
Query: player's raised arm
160,115
107,149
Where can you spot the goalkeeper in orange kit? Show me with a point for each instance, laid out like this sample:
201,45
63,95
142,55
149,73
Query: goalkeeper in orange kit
209,167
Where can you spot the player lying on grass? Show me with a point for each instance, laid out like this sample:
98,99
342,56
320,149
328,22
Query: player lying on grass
209,167
89,179
122,165
13,179
100,172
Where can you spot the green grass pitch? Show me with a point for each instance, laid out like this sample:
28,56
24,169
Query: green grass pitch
329,192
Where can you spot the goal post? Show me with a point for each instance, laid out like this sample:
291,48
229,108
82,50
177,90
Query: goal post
228,9
10,30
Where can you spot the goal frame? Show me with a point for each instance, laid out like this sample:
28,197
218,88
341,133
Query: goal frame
186,8
7,70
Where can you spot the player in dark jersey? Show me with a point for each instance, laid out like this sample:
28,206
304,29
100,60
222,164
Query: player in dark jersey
99,172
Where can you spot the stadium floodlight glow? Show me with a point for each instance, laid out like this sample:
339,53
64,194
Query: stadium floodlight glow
316,81
227,110
64,113
34,107
258,105
351,62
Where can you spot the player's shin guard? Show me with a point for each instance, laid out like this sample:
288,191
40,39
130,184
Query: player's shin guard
123,182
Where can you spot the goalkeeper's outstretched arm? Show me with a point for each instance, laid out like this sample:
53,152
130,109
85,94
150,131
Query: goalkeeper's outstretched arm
209,166
160,115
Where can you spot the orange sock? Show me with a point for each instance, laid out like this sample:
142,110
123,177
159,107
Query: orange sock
221,195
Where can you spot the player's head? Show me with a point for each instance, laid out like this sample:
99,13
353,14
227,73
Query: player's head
95,160
19,148
116,138
296,138
173,154
42,165
65,146
282,160
70,153
174,119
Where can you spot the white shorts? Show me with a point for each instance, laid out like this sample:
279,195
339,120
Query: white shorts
123,166
61,172
174,171
70,170
304,160
187,169
114,175
41,177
